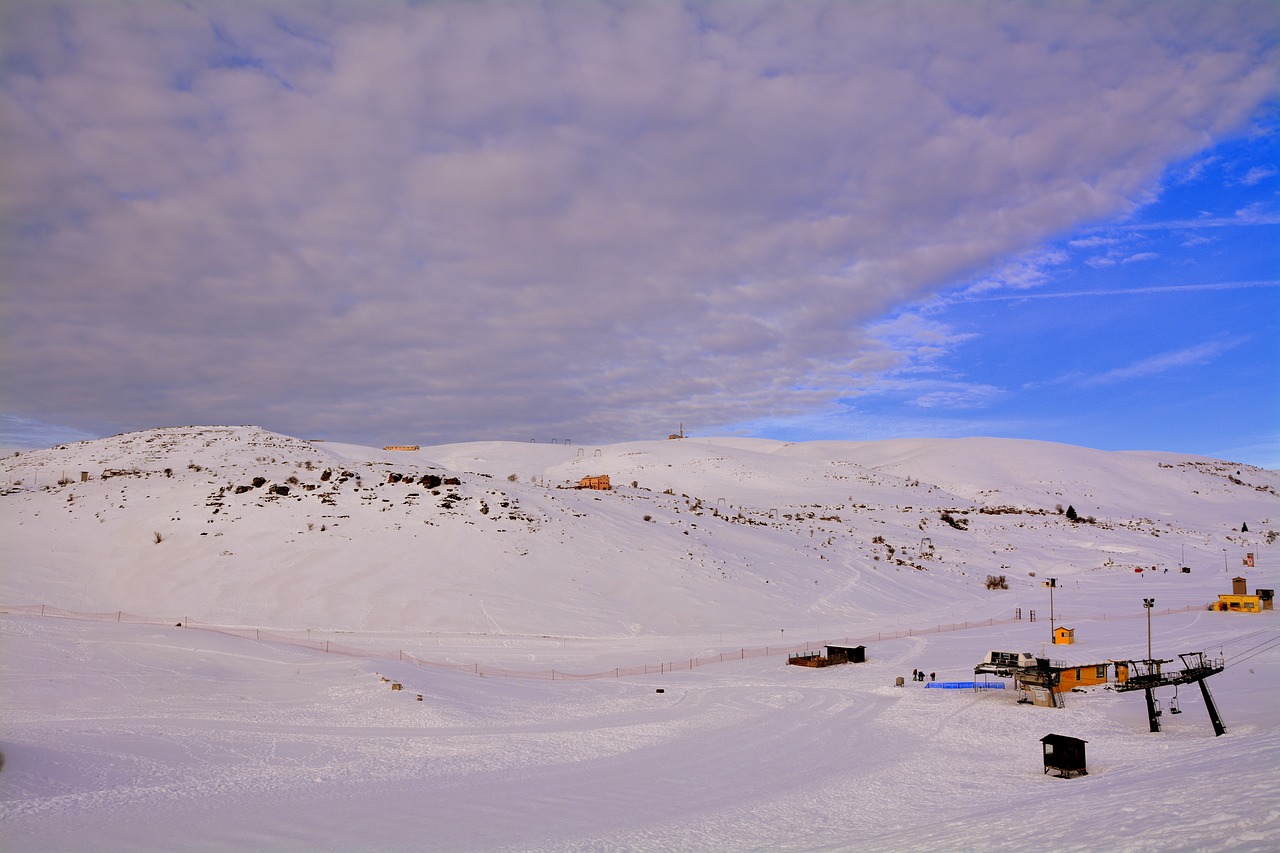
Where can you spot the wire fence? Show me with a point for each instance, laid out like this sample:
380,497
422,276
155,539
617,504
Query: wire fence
330,647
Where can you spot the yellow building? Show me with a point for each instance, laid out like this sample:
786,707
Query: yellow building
601,482
1064,636
1239,603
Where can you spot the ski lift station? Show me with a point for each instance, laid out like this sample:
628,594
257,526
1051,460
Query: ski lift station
1041,681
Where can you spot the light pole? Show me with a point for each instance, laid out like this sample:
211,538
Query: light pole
1149,603
1051,583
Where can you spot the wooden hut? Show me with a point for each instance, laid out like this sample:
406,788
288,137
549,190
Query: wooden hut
847,654
1064,636
1065,755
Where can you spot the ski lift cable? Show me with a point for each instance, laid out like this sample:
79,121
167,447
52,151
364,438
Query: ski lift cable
1260,650
1250,635
1265,642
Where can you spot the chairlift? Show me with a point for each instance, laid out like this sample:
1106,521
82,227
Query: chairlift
1173,702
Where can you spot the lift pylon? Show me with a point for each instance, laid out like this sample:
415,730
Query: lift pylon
1146,675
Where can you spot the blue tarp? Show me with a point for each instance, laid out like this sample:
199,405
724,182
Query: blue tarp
967,685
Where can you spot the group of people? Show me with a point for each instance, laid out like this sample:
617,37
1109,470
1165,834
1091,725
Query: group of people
919,675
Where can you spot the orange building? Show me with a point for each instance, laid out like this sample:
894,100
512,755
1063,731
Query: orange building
600,482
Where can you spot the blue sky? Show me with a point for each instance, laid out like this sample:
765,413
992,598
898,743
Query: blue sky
440,222
1159,330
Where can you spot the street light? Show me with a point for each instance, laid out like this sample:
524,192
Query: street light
1149,603
1051,583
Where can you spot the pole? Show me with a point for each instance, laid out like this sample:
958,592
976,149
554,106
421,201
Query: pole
1152,714
1148,603
1218,729
1051,583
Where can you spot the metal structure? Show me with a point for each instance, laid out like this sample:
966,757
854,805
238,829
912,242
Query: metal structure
1146,675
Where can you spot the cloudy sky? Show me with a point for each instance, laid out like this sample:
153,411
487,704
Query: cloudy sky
387,222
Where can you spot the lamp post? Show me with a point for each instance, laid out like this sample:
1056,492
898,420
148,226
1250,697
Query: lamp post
1149,603
1051,583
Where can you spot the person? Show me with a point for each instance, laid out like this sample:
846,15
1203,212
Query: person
933,676
915,675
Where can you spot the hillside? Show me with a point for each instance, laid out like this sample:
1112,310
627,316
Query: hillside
701,536
545,638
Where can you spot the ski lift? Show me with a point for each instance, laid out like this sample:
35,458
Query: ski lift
1173,702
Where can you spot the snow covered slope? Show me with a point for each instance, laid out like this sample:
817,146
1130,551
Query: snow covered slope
345,567
237,525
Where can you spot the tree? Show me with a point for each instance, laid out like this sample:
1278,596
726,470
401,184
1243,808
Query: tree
1071,512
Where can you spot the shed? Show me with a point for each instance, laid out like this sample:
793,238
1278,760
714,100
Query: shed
847,654
1064,636
1064,754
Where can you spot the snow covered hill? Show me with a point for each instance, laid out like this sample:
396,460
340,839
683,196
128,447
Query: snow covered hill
237,525
309,577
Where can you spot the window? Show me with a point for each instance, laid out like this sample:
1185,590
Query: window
1077,673
1102,671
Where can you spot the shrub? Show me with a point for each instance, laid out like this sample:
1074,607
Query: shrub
511,478
997,582
158,537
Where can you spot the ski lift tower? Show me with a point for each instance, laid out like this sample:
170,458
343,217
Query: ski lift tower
1146,675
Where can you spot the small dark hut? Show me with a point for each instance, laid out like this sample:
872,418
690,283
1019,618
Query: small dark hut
847,654
1064,754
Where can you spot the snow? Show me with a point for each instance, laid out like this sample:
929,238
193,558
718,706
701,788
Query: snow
266,721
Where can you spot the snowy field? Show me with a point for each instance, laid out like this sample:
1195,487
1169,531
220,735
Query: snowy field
239,731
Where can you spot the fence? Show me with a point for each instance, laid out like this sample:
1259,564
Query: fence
330,647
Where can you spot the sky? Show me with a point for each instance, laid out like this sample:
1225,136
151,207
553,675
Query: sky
386,222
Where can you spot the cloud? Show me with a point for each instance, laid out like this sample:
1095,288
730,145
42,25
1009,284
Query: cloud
1164,362
1131,291
1258,174
457,220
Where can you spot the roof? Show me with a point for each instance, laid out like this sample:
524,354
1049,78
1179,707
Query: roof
1061,739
